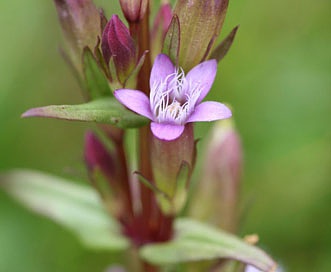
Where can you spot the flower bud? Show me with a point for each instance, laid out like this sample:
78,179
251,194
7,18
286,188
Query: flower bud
97,156
134,10
171,178
218,189
106,174
200,24
118,45
81,24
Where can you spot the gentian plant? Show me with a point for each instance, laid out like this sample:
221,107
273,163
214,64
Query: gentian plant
153,80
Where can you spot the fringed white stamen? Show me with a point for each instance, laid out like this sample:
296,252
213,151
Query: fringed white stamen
173,99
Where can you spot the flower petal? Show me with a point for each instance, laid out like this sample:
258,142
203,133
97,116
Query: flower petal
204,75
162,67
209,111
166,132
135,100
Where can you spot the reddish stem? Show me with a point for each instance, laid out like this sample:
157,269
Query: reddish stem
141,32
150,268
152,225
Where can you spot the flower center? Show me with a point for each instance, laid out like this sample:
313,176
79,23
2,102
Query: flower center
173,99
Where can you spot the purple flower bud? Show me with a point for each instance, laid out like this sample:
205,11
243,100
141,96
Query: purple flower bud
220,180
81,24
200,24
98,157
119,45
134,10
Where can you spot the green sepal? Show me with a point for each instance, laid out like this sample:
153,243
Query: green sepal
73,206
115,83
195,241
222,49
171,44
173,205
182,181
95,79
104,110
148,184
130,82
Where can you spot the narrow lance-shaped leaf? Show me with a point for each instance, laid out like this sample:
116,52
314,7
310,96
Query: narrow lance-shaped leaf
183,178
222,49
171,44
73,206
96,81
131,80
195,241
104,110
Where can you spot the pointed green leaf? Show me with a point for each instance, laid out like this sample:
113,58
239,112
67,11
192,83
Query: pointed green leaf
195,241
171,42
222,49
96,81
104,110
73,206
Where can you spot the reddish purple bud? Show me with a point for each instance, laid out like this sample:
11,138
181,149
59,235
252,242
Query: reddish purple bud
108,173
219,186
134,10
81,24
98,157
118,44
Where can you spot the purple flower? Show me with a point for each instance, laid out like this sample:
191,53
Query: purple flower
175,98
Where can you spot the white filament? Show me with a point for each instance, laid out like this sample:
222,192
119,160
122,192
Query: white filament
173,99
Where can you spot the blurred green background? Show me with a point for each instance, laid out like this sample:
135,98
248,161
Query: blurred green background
277,77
